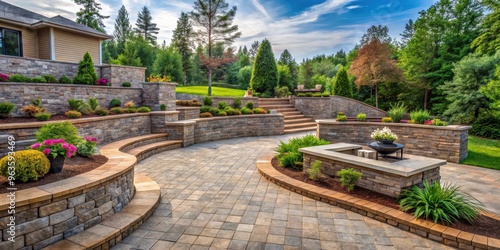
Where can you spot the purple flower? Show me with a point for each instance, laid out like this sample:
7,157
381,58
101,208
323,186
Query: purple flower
69,154
36,145
46,151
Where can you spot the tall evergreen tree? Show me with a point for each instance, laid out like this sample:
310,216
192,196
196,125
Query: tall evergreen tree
341,84
489,40
123,29
181,40
265,73
89,14
214,22
287,59
408,33
380,33
145,26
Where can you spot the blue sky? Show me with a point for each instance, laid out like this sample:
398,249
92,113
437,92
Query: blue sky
304,27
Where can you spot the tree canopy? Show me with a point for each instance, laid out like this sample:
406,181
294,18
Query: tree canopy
89,14
145,26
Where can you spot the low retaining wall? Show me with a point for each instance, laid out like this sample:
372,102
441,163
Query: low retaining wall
188,113
328,107
441,142
216,99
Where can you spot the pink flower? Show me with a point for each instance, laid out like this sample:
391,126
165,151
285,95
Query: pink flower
59,141
48,142
72,148
46,151
36,145
428,122
65,145
69,154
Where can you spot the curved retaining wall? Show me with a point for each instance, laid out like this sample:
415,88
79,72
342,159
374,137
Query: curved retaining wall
447,143
327,107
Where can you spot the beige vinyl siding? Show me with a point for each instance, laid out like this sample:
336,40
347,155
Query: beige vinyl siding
70,47
44,43
28,38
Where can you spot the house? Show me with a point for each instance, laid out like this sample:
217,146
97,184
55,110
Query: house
33,36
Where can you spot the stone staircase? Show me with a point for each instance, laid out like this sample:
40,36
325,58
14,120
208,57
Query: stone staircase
295,121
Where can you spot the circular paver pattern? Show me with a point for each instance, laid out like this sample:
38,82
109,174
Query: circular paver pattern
213,197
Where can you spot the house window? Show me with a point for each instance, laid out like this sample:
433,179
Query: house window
10,42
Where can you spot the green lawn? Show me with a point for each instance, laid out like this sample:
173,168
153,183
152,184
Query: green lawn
203,90
483,152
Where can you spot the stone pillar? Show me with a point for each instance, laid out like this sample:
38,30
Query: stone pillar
160,118
154,94
181,130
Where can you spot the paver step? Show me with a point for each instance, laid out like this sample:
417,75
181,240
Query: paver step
134,142
282,110
298,120
292,117
273,101
287,113
297,130
154,148
300,125
276,106
118,226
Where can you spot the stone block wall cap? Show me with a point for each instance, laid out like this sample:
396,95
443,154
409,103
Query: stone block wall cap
389,124
186,107
161,83
120,66
159,113
181,123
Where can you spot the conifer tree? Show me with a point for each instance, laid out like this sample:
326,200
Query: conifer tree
265,73
145,26
86,71
181,40
123,29
89,14
341,85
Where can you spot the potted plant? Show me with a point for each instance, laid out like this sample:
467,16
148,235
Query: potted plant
248,93
385,136
56,150
300,86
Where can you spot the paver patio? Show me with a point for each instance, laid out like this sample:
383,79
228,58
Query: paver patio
214,198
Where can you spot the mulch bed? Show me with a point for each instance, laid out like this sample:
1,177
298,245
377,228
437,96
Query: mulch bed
73,166
483,226
33,119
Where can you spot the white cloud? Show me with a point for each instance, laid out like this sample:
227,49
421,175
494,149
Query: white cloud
261,8
352,7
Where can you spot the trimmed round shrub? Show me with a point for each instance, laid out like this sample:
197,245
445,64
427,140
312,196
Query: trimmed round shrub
73,114
259,111
101,112
231,111
44,116
317,94
246,111
50,78
115,103
143,109
131,110
213,111
222,105
163,107
206,115
29,165
86,71
6,108
221,113
117,110
341,118
18,78
207,101
38,80
249,105
58,130
65,80
126,84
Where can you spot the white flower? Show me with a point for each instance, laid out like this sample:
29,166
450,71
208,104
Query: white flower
384,134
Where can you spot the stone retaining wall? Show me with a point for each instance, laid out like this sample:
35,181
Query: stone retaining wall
216,100
220,128
188,113
327,107
447,143
55,96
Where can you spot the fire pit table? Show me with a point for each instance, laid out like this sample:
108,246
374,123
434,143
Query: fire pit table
386,149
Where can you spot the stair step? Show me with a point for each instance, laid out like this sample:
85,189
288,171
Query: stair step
287,113
299,120
134,142
276,106
154,148
300,125
292,117
297,130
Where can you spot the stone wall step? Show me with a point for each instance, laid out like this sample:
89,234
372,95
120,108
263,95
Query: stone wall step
288,113
300,125
134,142
154,148
272,106
298,120
292,117
298,130
115,228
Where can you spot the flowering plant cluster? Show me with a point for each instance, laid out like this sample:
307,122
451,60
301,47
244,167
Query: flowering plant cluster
384,135
103,81
55,147
87,147
4,77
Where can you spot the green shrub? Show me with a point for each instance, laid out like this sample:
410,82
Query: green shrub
309,94
73,114
221,113
115,103
44,116
249,105
93,103
143,109
87,147
131,110
126,84
301,94
231,111
85,108
443,204
49,78
29,165
101,112
204,109
37,102
259,111
288,152
18,78
74,104
31,110
325,95
86,72
6,108
281,92
317,94
361,117
38,79
438,122
487,125
65,80
58,130
387,119
163,107
348,178
397,111
222,105
213,111
315,170
419,116
341,118
206,114
117,110
340,113
237,103
207,101
246,111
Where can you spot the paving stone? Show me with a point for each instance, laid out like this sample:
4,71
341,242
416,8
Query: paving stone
52,208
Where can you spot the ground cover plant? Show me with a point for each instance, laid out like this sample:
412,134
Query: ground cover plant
288,152
483,153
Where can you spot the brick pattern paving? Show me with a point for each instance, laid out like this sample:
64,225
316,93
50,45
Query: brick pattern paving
214,198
